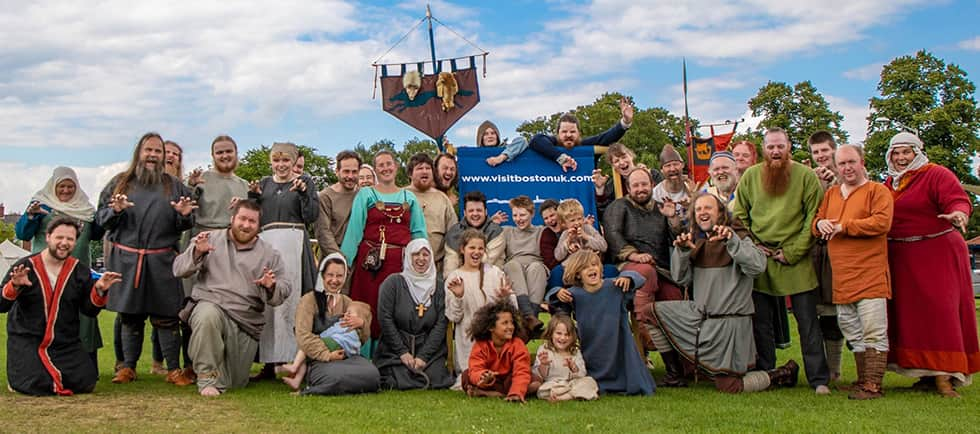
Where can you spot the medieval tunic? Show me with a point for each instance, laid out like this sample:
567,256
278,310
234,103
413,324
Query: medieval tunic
318,311
35,229
524,265
285,216
722,307
439,217
931,318
511,366
213,197
144,238
859,254
561,381
608,348
331,225
403,330
230,307
379,220
460,310
44,353
782,222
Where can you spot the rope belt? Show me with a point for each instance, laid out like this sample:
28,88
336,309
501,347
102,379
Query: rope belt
283,225
140,254
921,237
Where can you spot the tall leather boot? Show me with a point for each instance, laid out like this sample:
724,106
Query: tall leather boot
875,363
944,385
859,362
675,370
784,376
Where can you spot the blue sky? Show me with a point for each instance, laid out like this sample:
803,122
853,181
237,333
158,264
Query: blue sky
79,82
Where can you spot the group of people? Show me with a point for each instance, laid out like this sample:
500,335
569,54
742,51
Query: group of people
403,294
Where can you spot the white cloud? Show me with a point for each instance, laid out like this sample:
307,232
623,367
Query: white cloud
871,71
855,117
970,44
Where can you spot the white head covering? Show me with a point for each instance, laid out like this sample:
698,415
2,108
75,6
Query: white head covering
421,285
920,160
323,266
78,207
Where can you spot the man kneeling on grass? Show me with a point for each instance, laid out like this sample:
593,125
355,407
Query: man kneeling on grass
720,260
236,281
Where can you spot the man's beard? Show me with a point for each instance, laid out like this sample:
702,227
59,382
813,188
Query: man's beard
53,251
241,236
674,185
228,167
149,176
726,186
423,187
775,176
645,200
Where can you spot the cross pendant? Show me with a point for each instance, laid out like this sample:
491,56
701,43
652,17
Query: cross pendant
421,309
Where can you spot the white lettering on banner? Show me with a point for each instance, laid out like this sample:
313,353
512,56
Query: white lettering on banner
526,178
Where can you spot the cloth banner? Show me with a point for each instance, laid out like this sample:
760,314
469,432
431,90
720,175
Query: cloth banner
424,111
700,154
529,174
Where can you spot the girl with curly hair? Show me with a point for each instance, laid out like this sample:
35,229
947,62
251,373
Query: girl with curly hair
499,365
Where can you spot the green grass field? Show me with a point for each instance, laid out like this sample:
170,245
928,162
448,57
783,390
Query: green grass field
151,405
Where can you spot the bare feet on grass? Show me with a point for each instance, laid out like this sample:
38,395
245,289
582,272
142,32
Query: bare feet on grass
210,391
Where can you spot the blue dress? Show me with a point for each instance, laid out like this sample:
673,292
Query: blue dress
610,353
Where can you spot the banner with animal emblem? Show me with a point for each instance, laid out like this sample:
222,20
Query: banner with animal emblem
529,174
703,148
430,103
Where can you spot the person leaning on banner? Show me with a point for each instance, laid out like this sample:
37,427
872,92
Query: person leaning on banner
489,135
570,136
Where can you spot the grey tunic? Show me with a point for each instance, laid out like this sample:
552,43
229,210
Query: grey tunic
213,197
722,306
151,223
632,228
226,278
403,331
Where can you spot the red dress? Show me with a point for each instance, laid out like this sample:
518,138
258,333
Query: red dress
393,224
932,321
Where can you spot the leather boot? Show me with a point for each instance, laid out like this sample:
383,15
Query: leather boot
675,370
859,362
784,376
875,363
944,386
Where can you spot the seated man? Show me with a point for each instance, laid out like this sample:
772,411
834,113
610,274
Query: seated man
236,282
714,330
639,233
43,294
569,136
474,216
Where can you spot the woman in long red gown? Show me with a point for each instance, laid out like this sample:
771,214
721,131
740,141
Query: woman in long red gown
932,322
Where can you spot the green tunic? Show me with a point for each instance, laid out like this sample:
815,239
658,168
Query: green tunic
88,326
782,222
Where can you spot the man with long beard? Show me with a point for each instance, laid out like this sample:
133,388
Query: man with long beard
144,211
236,280
777,201
436,207
639,232
335,203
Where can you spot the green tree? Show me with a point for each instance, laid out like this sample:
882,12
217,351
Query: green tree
255,164
7,232
800,110
923,94
652,127
412,146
